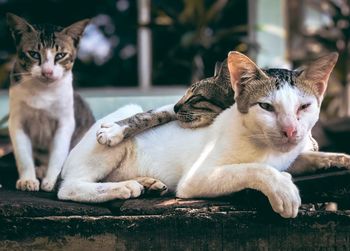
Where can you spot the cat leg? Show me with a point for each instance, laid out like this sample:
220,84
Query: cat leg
40,171
23,152
217,181
152,185
84,191
112,134
308,162
58,154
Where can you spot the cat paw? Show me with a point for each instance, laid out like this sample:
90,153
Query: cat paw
284,196
27,185
47,185
153,185
110,134
338,160
129,189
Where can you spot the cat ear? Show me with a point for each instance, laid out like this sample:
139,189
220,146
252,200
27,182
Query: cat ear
18,26
76,30
240,66
318,72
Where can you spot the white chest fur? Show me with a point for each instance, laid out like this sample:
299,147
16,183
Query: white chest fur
55,98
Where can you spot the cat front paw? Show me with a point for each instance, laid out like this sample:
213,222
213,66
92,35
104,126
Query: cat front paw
153,186
110,134
27,184
284,196
48,184
129,189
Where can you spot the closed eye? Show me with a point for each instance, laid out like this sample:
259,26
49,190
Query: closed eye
60,55
266,106
304,106
194,99
34,55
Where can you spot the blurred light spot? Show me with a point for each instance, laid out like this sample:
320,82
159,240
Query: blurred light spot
163,19
343,24
273,29
122,5
314,19
102,20
127,52
340,44
316,48
114,41
94,46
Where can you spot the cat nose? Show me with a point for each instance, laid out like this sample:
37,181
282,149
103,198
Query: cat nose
289,131
47,72
177,107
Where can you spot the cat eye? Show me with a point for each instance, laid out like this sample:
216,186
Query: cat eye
60,55
194,99
303,107
34,55
267,107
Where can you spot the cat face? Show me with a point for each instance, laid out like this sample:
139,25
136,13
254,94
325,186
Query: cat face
44,52
205,99
279,107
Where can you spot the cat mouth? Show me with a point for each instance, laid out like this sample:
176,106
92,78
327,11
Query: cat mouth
190,121
46,80
285,144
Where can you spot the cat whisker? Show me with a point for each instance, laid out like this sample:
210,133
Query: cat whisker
21,74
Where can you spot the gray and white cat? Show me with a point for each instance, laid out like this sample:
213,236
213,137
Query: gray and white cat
249,145
46,117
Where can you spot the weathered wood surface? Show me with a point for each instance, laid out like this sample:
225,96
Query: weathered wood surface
243,221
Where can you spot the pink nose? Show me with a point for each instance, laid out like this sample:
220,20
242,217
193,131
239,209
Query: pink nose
289,131
47,73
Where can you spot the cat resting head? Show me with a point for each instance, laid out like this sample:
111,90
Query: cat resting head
44,52
205,99
279,107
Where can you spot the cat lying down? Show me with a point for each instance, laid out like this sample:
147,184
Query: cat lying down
248,145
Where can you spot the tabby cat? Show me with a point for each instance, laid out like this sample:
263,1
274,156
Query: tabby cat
46,117
248,145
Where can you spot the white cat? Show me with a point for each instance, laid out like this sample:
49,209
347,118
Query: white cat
247,146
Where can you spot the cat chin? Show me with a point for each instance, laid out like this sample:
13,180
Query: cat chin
284,147
47,81
195,122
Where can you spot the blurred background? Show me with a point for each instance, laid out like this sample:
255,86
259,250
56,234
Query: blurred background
155,49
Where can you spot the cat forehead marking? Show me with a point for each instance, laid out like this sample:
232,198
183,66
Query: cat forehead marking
255,89
282,77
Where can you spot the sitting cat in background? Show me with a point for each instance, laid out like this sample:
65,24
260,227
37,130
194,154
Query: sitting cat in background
246,146
46,117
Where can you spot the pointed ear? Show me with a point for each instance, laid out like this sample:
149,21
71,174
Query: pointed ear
18,26
318,72
241,67
76,30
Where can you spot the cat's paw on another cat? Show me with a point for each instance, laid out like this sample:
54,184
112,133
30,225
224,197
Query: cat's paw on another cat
284,196
27,184
110,134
